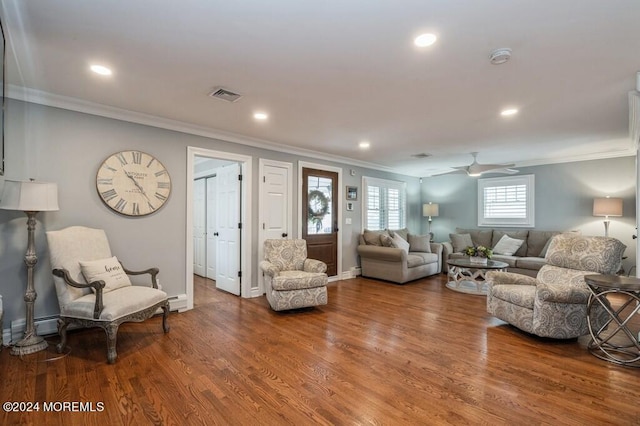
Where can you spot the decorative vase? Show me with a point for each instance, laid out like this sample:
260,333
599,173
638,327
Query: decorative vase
478,260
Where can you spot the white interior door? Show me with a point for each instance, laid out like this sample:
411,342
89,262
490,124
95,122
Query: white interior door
211,227
275,204
199,227
227,228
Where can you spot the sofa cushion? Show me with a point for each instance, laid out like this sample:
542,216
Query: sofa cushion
420,243
594,254
460,242
386,240
404,232
297,280
373,237
414,260
518,235
533,263
401,243
510,260
537,241
507,245
479,237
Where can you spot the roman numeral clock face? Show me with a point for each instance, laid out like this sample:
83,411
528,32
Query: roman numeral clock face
133,183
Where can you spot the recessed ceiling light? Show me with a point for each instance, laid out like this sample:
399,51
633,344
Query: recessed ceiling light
260,116
100,69
364,145
425,40
508,112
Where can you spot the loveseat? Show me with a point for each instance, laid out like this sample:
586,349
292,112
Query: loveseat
527,259
384,256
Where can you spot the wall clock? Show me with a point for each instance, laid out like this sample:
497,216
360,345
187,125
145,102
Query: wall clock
133,183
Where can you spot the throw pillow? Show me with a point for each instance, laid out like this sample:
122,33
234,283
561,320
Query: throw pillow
372,238
404,233
507,246
386,240
419,243
400,243
460,242
109,270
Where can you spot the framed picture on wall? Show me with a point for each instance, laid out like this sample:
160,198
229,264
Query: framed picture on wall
349,207
352,193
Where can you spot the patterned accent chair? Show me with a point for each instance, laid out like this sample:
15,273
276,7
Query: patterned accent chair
291,280
91,304
554,304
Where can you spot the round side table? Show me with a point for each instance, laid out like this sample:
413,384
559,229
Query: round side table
618,340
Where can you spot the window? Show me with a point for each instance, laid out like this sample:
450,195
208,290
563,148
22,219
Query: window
385,204
506,201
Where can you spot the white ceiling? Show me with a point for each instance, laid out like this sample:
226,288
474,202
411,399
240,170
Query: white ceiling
331,73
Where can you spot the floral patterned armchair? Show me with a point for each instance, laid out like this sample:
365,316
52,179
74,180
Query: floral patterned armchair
554,304
291,280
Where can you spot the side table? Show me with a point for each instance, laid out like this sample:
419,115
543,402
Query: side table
617,340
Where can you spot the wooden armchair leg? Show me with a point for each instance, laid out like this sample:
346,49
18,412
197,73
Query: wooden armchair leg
165,315
62,331
112,333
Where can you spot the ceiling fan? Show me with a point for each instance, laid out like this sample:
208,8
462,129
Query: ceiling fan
476,169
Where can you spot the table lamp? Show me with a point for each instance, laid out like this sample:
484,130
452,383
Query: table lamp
30,197
430,210
607,207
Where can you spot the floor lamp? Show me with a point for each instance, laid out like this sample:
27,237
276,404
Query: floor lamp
30,197
607,207
430,210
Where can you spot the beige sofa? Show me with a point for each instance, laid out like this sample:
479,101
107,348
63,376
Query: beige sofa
527,260
397,265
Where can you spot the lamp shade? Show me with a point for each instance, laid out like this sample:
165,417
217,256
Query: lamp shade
430,210
30,196
607,206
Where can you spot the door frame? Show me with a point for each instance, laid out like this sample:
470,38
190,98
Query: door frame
246,167
340,195
262,163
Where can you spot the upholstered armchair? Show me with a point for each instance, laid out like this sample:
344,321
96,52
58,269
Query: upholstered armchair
291,280
94,289
554,304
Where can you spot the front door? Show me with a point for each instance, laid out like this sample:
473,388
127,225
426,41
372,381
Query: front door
320,211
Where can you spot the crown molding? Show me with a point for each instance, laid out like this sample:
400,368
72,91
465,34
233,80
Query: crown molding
40,97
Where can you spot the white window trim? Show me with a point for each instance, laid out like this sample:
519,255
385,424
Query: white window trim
402,186
528,221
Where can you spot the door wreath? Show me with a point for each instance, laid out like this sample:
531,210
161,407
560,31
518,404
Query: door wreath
318,207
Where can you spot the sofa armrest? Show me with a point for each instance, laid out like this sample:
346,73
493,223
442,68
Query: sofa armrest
269,268
437,248
563,293
497,277
313,265
389,254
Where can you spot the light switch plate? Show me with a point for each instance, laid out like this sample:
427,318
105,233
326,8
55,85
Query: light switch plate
347,221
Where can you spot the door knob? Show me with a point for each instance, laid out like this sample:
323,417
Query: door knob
215,234
285,235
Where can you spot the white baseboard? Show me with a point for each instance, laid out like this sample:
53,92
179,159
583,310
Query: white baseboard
49,325
178,303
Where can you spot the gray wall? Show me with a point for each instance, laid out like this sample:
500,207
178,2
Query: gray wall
66,147
564,196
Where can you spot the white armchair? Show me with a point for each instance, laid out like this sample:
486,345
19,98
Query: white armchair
93,287
291,280
554,304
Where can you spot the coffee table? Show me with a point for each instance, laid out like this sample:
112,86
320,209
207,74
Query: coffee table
469,277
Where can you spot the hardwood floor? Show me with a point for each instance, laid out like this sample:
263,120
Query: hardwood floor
378,353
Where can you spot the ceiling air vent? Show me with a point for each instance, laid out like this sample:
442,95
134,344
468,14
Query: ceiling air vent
224,94
421,155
